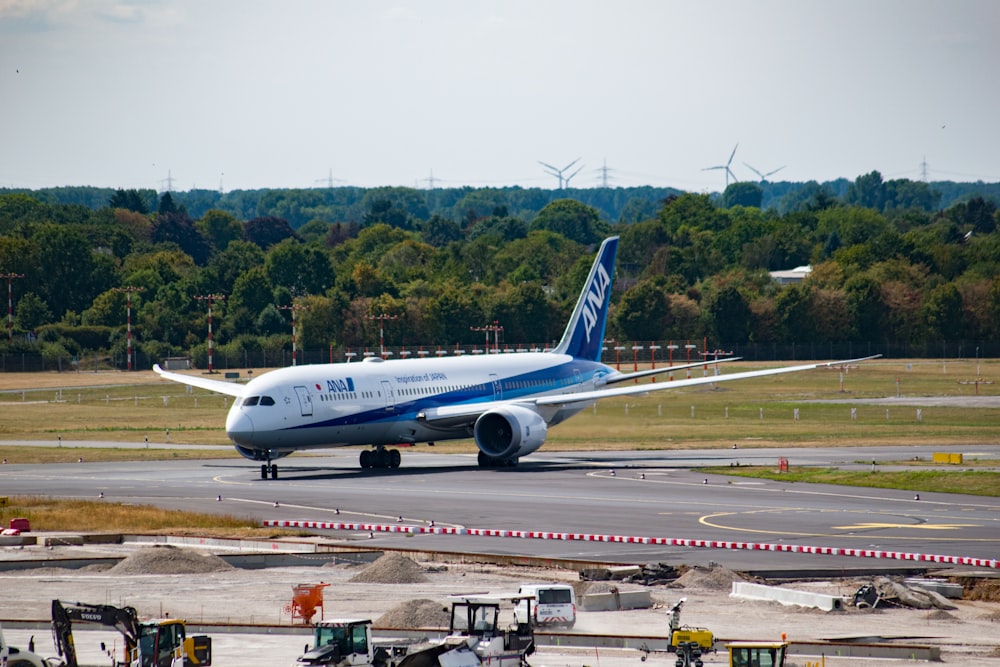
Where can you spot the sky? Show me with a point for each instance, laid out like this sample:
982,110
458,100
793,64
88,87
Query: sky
243,94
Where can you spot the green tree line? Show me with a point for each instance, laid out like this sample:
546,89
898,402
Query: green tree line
887,267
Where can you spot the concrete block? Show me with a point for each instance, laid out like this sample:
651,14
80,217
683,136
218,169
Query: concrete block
945,588
787,596
616,601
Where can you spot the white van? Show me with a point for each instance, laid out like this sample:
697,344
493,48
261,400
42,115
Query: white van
554,605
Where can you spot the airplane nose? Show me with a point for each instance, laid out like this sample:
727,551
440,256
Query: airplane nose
239,427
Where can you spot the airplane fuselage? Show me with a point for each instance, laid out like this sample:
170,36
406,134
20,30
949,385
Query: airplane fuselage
380,402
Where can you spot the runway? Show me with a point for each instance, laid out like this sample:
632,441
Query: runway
647,493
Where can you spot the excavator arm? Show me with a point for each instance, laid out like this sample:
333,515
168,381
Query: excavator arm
125,620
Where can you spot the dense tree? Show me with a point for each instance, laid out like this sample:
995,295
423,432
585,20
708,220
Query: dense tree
219,229
176,227
742,193
574,220
130,200
641,313
267,231
303,269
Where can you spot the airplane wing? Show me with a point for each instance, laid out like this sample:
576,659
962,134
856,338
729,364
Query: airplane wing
218,386
664,370
565,399
454,415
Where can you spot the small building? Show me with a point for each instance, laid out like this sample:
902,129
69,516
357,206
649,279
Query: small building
177,363
795,275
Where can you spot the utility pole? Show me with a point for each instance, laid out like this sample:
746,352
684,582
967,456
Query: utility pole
295,307
209,298
496,329
10,277
381,330
128,317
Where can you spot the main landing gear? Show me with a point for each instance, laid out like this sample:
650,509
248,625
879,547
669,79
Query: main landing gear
487,461
380,457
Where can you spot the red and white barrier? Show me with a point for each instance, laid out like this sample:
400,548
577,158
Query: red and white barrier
628,539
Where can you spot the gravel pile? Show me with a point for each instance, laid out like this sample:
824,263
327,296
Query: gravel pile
422,613
716,578
167,559
391,569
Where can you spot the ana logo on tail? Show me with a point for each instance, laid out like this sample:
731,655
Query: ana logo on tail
596,297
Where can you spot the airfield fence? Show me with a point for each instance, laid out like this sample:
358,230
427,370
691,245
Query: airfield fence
620,353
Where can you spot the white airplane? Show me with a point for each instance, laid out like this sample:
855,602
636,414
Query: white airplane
506,403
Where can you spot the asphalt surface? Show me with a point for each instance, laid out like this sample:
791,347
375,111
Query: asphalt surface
648,493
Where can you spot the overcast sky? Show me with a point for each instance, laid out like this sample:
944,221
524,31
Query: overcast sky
251,94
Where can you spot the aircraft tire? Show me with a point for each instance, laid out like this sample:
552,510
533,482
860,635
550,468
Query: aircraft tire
366,458
395,458
263,471
274,471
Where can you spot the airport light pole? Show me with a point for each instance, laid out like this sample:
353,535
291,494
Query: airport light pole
131,289
295,307
209,298
382,317
11,277
496,329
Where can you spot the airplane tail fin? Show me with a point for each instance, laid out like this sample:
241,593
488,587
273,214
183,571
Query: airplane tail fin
584,335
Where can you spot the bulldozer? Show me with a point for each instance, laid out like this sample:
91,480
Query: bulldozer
156,643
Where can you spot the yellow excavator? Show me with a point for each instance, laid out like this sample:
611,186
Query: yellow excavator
158,643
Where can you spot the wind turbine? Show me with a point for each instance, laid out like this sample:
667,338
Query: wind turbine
763,177
558,173
729,172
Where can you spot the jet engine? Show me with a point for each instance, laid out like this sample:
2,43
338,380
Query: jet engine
509,431
259,454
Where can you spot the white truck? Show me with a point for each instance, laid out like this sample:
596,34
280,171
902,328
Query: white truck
11,656
554,605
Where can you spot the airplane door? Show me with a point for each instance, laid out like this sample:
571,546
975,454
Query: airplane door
390,399
305,401
497,389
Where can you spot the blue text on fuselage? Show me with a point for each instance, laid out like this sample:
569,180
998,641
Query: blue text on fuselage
347,384
596,296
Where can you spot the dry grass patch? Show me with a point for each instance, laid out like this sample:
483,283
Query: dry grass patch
99,516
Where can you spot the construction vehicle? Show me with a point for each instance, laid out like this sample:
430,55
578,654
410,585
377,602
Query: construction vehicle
757,654
11,656
156,643
476,637
684,639
685,634
348,643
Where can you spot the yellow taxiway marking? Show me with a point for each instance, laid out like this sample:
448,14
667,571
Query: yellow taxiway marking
921,526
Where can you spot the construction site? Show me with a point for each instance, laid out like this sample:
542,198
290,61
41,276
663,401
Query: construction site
306,605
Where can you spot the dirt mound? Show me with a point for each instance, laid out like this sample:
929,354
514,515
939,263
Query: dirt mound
391,569
986,590
422,613
940,615
611,587
167,559
716,578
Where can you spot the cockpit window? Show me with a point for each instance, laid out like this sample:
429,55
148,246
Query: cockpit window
250,400
266,400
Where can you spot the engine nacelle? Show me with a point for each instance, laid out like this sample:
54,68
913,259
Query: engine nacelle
259,454
509,432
